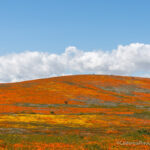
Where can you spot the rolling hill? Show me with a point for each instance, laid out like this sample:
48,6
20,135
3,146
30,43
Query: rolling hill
79,112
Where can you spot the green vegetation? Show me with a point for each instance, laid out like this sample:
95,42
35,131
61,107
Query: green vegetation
92,147
144,131
144,114
136,134
17,138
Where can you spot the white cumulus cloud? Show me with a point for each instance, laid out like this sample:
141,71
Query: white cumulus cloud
133,59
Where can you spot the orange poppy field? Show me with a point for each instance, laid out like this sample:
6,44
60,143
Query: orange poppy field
78,112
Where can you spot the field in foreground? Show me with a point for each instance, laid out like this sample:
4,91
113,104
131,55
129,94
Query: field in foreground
81,112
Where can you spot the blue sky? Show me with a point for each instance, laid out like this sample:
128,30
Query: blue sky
45,38
53,25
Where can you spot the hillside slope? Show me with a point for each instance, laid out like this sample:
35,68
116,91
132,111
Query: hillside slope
79,112
75,91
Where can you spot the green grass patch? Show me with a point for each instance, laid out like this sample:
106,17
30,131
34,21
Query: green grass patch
92,147
144,131
10,139
143,115
136,134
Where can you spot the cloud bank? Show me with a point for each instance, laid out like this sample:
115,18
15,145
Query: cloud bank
133,59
